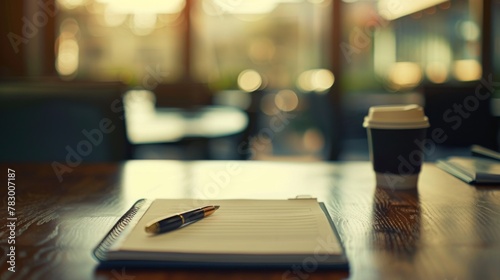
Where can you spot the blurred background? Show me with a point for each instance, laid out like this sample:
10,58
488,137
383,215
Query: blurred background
241,79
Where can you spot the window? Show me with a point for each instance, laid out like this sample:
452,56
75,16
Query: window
388,51
132,41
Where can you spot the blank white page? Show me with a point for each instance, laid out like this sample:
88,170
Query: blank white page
238,227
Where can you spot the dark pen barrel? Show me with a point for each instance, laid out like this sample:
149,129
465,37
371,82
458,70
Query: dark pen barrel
179,220
193,216
169,224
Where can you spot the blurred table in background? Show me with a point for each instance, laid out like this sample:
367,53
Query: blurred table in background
150,128
175,124
444,230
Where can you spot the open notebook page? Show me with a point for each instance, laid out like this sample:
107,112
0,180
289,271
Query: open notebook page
239,227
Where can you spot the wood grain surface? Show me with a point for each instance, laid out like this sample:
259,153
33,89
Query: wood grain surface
445,229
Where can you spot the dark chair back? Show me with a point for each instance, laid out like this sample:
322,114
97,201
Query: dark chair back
62,121
185,95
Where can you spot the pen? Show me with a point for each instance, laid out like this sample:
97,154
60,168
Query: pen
178,220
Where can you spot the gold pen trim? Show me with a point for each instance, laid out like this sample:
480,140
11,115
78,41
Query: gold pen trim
182,218
153,228
211,210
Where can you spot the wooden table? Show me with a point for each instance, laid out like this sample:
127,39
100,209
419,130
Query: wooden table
445,230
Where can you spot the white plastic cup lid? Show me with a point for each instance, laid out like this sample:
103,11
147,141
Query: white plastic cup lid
396,117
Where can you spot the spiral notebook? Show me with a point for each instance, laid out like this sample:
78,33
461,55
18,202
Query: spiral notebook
241,233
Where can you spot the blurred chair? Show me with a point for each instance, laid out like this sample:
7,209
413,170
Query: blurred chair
186,95
465,117
328,122
62,121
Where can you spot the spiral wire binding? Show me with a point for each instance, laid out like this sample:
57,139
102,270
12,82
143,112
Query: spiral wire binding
116,230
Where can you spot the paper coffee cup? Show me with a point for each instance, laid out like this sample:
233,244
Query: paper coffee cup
394,135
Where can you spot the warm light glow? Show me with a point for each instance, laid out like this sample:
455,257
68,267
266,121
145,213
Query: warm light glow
438,56
69,27
140,103
393,9
286,100
405,75
437,72
469,30
251,6
313,140
249,80
143,24
322,79
304,82
145,6
67,56
384,51
67,48
318,80
316,1
262,50
96,7
113,19
218,7
467,70
71,4
244,7
144,20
